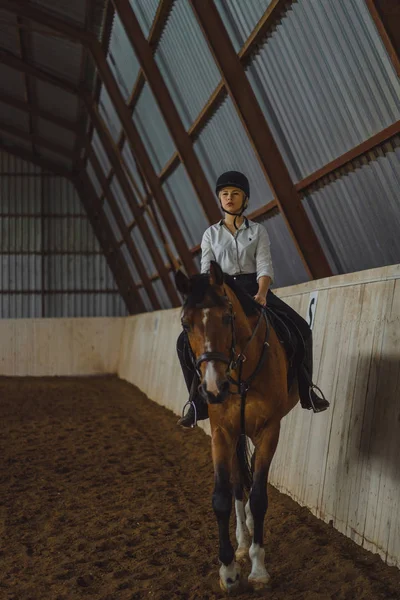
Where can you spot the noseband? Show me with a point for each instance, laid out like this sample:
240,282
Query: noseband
219,356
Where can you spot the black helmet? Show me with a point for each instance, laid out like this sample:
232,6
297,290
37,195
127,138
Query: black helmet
234,179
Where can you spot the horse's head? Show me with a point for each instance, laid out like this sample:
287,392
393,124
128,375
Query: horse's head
207,318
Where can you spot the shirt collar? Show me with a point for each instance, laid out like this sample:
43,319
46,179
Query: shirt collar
246,223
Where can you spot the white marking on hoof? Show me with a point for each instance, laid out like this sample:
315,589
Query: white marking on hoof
259,576
229,577
211,375
249,519
242,537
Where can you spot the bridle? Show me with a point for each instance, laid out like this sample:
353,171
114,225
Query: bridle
235,361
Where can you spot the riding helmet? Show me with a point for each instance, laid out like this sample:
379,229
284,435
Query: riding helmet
234,179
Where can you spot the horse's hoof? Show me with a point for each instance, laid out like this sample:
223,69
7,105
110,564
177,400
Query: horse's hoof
259,584
229,588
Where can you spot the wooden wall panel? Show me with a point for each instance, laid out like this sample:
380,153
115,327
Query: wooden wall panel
41,347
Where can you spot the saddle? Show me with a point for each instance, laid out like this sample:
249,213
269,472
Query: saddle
290,337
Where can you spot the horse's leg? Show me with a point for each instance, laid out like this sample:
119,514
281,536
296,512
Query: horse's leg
242,536
222,450
265,450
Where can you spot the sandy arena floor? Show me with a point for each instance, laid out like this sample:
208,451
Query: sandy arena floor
103,497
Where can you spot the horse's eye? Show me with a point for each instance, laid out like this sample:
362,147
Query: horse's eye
185,325
226,319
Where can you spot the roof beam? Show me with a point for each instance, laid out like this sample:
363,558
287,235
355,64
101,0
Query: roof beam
35,110
14,62
168,110
124,229
116,161
37,140
113,256
43,163
360,150
265,147
386,16
139,151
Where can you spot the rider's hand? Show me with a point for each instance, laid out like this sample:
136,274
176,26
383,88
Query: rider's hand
261,299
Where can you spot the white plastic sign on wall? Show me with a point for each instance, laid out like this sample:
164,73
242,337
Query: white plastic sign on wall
312,306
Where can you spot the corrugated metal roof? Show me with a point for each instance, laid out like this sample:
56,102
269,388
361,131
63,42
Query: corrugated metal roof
93,178
9,32
288,266
55,158
131,265
56,55
13,164
13,116
100,154
13,142
186,63
53,132
69,10
109,114
121,200
112,222
325,83
185,206
122,59
131,165
56,100
152,129
240,17
145,11
161,294
357,217
12,82
143,251
223,145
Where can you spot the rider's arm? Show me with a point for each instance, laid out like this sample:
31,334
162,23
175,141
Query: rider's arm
207,253
265,271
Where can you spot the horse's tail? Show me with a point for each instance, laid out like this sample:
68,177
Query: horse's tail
244,457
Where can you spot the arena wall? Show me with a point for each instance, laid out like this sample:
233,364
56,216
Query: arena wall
41,347
343,464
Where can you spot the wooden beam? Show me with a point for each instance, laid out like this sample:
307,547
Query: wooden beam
363,148
43,163
105,236
386,16
116,161
265,147
35,139
16,63
168,110
124,229
35,110
139,151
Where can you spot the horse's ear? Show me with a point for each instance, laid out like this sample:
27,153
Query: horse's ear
182,283
216,274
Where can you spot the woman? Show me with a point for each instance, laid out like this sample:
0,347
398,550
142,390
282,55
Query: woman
242,249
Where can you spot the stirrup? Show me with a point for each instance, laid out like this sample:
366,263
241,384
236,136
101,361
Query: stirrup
325,403
191,405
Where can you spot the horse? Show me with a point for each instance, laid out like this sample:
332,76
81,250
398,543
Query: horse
242,369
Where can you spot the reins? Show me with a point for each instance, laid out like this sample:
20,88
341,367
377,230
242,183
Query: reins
235,363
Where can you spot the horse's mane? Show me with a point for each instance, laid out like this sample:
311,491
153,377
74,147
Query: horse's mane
200,287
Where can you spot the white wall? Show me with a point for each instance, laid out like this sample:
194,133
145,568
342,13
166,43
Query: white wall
41,347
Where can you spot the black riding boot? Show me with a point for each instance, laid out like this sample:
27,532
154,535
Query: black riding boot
308,398
197,410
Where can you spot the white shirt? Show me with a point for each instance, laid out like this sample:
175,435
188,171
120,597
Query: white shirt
246,251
